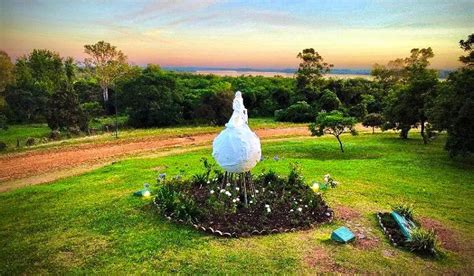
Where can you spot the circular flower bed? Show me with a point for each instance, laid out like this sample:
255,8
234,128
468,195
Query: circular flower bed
235,205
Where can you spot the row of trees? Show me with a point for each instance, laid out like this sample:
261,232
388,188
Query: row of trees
43,86
411,96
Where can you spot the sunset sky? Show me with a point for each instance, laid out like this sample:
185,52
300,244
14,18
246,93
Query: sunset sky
259,34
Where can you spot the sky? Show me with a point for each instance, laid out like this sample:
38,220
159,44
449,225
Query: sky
257,34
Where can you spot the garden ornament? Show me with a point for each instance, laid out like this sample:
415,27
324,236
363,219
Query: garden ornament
237,148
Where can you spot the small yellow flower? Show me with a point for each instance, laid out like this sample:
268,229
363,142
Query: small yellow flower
315,187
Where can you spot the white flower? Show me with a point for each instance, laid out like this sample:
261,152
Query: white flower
300,209
208,182
237,188
212,191
256,191
268,210
306,206
251,201
267,206
234,200
301,200
238,199
228,184
222,191
291,210
228,193
269,182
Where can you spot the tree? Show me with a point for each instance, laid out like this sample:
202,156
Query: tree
453,108
107,63
300,112
329,101
6,72
334,123
310,72
152,99
65,112
466,45
373,120
405,106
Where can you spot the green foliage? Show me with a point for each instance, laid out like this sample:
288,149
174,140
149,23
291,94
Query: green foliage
311,69
300,112
453,109
152,99
329,101
466,45
3,146
65,112
172,202
405,210
3,122
334,123
373,120
423,241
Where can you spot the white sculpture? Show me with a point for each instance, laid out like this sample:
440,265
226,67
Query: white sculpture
237,148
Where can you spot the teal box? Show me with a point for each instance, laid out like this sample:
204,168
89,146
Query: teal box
342,235
404,225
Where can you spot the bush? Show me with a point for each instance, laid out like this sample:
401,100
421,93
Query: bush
299,112
373,120
239,204
404,210
3,122
152,99
3,146
30,141
55,135
423,241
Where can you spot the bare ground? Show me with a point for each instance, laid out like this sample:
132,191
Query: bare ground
41,166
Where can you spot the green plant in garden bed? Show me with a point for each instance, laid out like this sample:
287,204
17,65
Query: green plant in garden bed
421,241
240,205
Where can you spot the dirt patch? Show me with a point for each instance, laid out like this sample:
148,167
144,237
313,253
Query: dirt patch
319,259
446,236
18,166
365,239
346,213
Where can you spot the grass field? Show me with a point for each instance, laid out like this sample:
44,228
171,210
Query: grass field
23,132
93,224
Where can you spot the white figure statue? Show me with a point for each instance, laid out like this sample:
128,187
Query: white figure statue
237,148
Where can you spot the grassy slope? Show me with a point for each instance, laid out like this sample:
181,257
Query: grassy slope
41,130
91,223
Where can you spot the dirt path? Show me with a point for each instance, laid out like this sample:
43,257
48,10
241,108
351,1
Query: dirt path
35,167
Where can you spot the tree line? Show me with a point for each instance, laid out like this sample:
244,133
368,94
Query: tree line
42,86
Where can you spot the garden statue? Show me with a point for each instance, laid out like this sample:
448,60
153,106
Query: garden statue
237,148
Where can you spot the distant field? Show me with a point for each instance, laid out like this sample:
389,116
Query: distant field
92,223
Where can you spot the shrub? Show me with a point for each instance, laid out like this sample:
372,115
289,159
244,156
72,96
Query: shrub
3,122
30,141
423,241
373,120
299,112
3,146
405,210
55,135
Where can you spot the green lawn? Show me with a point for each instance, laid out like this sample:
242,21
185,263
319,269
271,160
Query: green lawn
93,224
23,132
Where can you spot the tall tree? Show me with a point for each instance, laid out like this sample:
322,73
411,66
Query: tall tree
6,77
453,107
466,45
310,72
405,107
38,75
108,64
